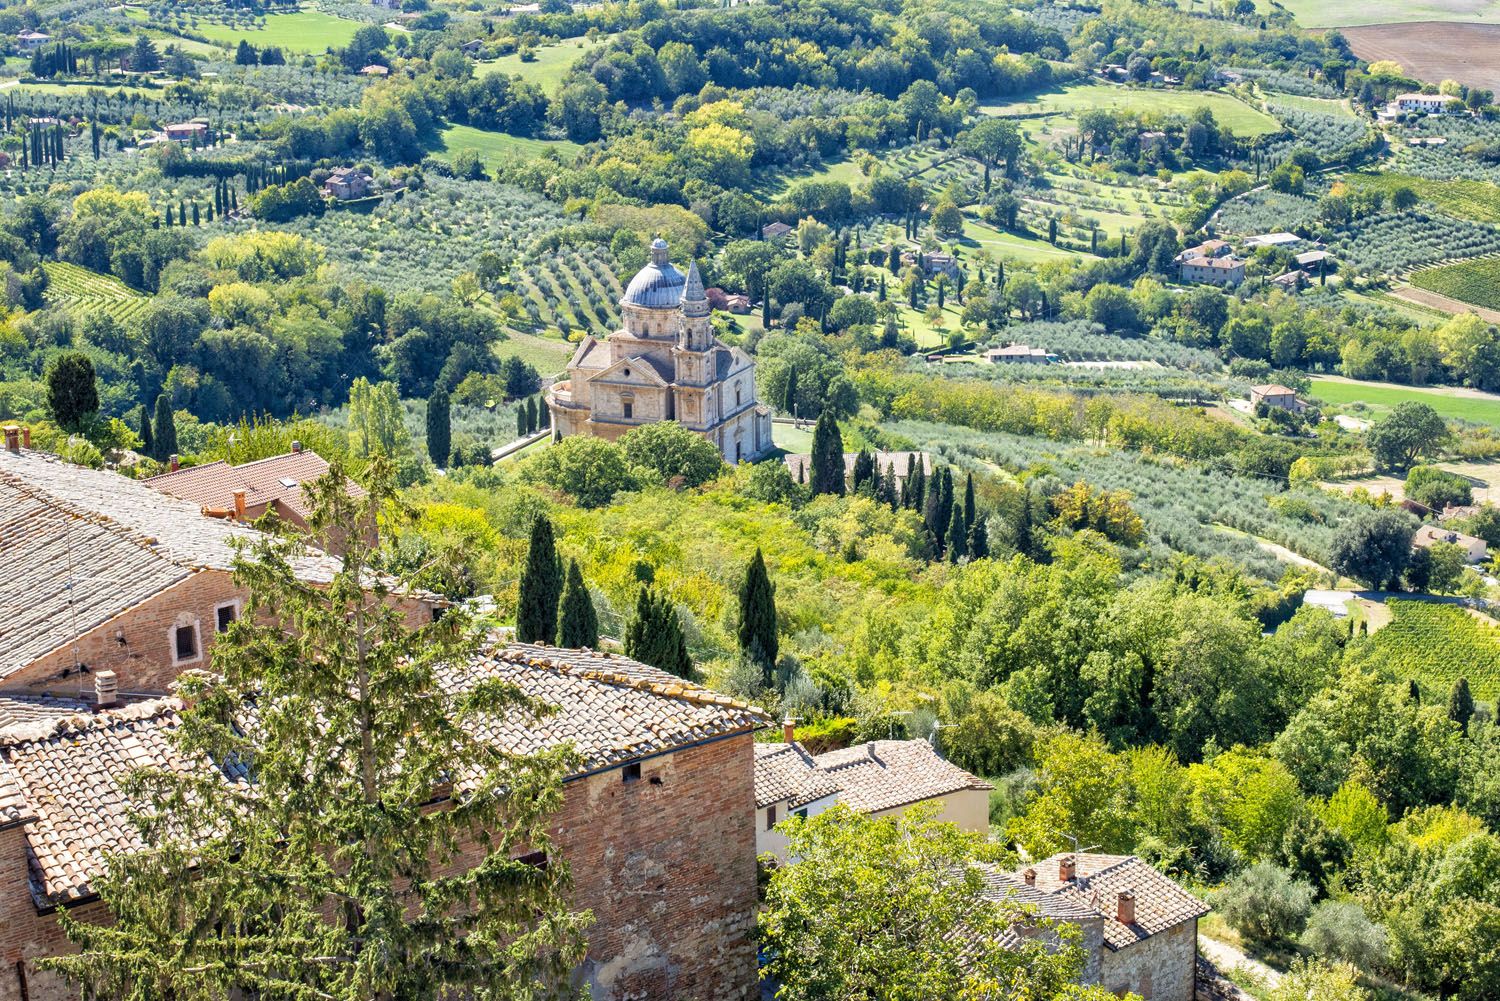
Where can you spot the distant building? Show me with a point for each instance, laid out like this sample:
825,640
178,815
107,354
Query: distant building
346,183
471,47
935,263
29,40
1431,104
775,230
186,132
1150,141
1475,549
1208,248
374,69
787,783
1291,281
1274,395
1313,258
1022,353
1272,240
736,302
1228,270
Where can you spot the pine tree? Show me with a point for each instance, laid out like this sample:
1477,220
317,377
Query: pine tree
827,456
439,426
361,725
578,623
541,587
165,428
654,635
757,635
1461,704
958,536
968,501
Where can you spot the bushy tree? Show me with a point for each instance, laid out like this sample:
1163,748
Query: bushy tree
1265,904
72,390
590,469
1340,930
654,635
1310,980
1411,430
540,588
670,450
1373,547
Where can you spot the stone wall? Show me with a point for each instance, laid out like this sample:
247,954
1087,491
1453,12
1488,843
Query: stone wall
1160,968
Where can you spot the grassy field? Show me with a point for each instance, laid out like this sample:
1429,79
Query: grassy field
77,89
547,355
1475,282
547,69
1381,398
304,31
1419,315
1464,198
1338,13
979,235
792,439
777,185
1238,116
1316,105
493,147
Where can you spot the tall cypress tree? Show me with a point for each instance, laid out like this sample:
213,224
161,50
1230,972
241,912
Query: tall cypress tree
541,587
1461,704
654,635
439,426
757,634
945,499
827,456
914,495
789,398
979,540
968,501
578,623
166,429
148,445
888,489
864,469
958,536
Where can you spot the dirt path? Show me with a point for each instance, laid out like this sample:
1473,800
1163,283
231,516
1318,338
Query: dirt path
1226,957
1432,300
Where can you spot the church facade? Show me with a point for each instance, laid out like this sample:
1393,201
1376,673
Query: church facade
664,364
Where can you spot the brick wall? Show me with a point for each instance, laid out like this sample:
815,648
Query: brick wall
1160,968
668,869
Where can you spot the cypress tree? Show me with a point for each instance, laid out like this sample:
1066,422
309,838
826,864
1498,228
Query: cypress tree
148,447
945,501
578,623
968,501
543,414
765,303
915,494
758,617
789,398
166,429
827,456
72,390
521,421
1413,693
195,214
864,470
888,490
654,635
541,587
979,540
958,536
439,426
533,420
1461,704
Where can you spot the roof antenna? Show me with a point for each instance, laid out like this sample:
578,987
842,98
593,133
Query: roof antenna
898,712
937,725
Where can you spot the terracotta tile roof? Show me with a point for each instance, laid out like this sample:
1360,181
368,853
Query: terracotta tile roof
83,545
22,708
885,774
61,776
787,773
278,479
1160,904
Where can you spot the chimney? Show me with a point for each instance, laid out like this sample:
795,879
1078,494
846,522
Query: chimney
789,730
1029,876
12,438
26,437
239,504
296,446
172,463
106,689
1125,908
1067,868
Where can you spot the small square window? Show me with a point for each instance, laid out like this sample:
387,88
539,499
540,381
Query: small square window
537,860
185,639
631,772
224,617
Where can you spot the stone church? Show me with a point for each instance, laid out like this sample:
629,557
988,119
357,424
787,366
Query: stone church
664,365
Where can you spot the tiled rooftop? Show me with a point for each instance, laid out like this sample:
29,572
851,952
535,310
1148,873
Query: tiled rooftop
64,773
787,773
886,774
278,479
1160,904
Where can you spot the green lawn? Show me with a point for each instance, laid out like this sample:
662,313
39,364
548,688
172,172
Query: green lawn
1240,117
78,89
792,439
1479,410
1340,13
777,185
982,236
493,147
1317,105
548,355
303,31
547,69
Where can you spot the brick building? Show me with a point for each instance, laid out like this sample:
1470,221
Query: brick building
656,823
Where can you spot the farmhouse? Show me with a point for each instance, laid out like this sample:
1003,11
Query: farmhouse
1139,928
1225,270
346,183
1291,281
186,132
656,823
29,40
665,364
375,69
774,230
901,465
787,783
1272,240
1475,549
1151,141
1321,258
1209,249
736,302
1023,353
935,263
471,47
1275,395
1431,104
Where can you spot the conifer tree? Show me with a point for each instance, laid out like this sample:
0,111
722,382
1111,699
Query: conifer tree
888,490
654,635
337,879
543,414
827,456
1413,693
958,536
521,430
439,426
166,429
864,470
945,499
578,623
1461,704
968,501
541,587
72,390
979,540
148,445
757,635
789,398
914,496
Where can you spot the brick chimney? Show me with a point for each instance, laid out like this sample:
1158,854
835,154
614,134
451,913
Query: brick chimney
789,730
172,463
1029,876
239,504
1125,908
1067,868
106,689
26,437
12,438
296,446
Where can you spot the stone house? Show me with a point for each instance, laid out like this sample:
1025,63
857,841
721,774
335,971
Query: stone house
774,230
186,132
787,783
1475,549
345,183
1432,104
1019,353
29,40
656,824
1140,929
1291,281
664,364
1275,395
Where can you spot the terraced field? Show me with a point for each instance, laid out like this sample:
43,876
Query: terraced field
1475,282
80,289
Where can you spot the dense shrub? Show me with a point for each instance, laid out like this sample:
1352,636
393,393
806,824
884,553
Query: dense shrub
1265,904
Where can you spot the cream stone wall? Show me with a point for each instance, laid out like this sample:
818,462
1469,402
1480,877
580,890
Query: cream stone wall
1159,968
968,808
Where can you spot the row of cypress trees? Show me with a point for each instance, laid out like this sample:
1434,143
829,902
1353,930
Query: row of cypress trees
555,607
532,416
159,436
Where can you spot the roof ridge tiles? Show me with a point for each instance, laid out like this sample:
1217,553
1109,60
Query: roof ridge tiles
687,691
39,731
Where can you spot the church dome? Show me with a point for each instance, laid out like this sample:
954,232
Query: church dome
658,285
